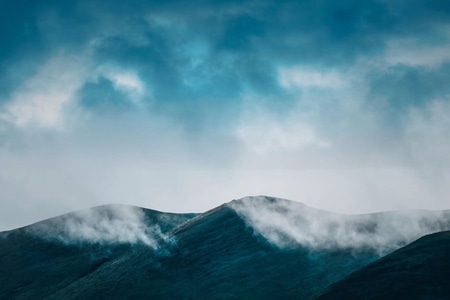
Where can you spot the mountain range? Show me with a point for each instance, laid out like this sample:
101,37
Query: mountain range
252,248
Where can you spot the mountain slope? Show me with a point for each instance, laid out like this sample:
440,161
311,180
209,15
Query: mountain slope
256,247
42,258
218,256
420,270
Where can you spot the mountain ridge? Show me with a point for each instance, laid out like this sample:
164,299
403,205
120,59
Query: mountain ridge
262,247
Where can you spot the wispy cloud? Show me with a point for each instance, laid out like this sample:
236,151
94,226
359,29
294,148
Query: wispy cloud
348,108
263,134
127,81
44,99
290,224
309,78
108,224
412,52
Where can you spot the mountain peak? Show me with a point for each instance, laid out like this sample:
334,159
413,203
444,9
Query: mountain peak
264,199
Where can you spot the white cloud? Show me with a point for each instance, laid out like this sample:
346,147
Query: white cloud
411,52
289,224
348,164
329,151
41,100
262,137
107,224
263,133
291,77
127,81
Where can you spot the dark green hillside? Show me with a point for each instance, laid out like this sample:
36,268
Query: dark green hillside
420,270
217,256
36,267
121,252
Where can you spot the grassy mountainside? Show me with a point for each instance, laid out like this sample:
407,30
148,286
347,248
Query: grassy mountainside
213,255
420,270
254,248
36,266
217,256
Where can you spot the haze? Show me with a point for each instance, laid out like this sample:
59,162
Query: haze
183,105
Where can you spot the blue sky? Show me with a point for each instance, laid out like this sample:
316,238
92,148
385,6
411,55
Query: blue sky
184,105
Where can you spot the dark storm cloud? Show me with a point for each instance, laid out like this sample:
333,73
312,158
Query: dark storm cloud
200,53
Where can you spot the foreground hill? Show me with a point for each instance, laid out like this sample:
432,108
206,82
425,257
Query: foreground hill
420,270
41,259
256,247
216,255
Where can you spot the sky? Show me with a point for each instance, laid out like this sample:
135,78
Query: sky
181,106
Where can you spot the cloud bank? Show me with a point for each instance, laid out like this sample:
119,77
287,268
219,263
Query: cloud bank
289,224
109,224
184,106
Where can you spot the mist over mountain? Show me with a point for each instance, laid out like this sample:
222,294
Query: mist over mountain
43,258
255,247
179,106
289,224
109,224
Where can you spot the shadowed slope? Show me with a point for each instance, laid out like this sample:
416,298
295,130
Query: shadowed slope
217,255
256,247
420,270
40,259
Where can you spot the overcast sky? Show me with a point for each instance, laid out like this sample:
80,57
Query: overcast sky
183,105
